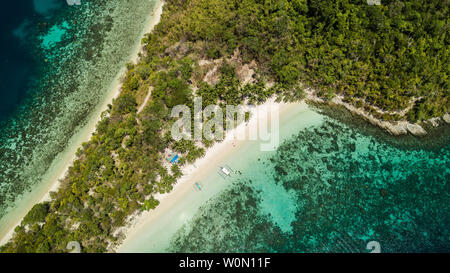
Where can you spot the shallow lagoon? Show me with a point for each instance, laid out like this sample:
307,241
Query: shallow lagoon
329,187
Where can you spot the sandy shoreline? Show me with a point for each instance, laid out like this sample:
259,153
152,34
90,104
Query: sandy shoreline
201,168
63,161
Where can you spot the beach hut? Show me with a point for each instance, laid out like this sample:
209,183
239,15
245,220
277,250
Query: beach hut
174,158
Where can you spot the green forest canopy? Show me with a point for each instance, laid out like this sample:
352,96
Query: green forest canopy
385,55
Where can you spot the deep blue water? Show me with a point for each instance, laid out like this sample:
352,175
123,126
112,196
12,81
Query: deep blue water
17,64
19,20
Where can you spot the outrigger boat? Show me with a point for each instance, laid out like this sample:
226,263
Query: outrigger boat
198,186
225,171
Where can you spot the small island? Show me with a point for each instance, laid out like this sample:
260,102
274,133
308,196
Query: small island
387,63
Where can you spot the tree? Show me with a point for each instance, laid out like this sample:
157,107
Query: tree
37,214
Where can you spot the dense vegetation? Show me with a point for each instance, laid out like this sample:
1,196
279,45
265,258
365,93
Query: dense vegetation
381,57
386,56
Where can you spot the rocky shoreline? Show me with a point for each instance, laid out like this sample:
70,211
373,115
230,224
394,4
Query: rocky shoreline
247,72
396,128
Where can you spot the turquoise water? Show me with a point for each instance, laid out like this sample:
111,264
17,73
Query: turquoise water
329,188
156,230
77,51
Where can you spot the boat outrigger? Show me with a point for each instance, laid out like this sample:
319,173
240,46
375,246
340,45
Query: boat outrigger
225,171
197,186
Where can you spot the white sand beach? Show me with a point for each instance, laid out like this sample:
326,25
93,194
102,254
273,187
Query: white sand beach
151,230
65,159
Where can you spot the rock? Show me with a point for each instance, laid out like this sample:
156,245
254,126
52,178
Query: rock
446,118
246,73
416,129
204,62
374,2
397,129
212,76
434,122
